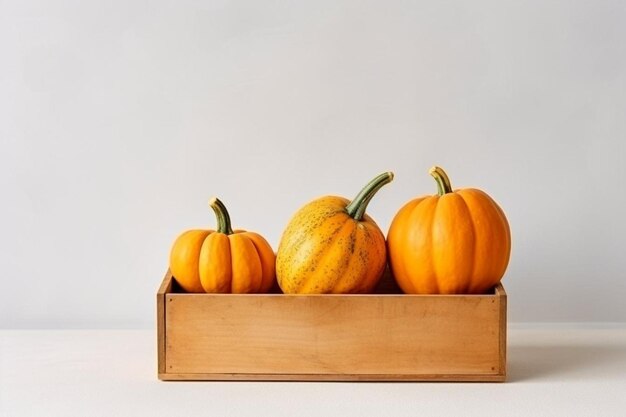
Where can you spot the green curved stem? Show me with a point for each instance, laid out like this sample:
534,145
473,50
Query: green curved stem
356,208
443,182
223,218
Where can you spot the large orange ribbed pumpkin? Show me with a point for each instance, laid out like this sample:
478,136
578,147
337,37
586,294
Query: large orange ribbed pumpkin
222,261
331,246
455,242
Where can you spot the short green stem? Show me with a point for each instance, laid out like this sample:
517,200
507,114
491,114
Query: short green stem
443,182
356,208
223,218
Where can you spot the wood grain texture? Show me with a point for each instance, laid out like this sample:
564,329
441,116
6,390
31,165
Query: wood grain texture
384,337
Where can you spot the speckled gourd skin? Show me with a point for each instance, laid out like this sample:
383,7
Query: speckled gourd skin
325,250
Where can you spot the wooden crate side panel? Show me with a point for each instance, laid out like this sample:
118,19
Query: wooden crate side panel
502,301
165,287
348,336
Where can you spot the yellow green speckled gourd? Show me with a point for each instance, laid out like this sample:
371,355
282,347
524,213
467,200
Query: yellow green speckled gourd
332,246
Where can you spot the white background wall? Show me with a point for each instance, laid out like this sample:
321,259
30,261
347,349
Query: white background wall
119,119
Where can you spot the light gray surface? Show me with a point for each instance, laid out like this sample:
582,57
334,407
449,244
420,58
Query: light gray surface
119,119
552,372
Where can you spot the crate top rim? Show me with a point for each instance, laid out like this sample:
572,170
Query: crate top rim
164,289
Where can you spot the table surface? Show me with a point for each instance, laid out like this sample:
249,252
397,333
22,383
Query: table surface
552,371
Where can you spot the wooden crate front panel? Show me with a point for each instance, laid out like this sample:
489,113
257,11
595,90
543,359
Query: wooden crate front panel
395,335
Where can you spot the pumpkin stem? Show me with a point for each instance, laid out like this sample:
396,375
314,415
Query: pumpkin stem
356,208
223,218
443,182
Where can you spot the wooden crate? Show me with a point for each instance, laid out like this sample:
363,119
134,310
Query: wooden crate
386,336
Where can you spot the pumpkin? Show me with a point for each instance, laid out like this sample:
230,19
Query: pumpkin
455,242
222,261
332,246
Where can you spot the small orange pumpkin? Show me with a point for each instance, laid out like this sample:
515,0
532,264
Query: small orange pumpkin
451,243
222,261
331,246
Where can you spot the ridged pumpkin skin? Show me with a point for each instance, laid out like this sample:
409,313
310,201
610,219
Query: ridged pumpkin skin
458,242
222,261
331,246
